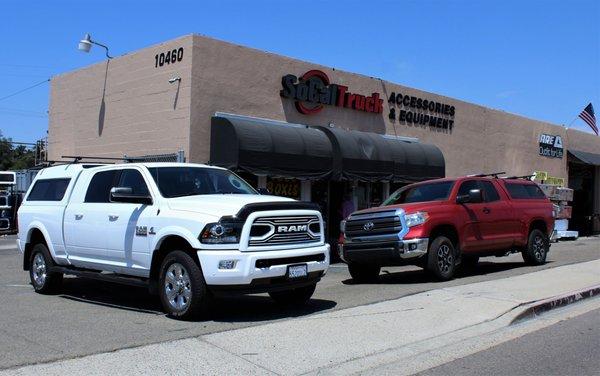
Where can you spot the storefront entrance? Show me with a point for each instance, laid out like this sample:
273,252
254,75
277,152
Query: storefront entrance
584,181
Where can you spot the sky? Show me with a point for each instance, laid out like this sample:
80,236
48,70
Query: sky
539,59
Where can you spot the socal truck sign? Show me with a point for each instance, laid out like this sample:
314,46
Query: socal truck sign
313,90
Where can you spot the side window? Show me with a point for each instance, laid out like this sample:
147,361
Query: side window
466,186
490,194
133,179
524,191
100,185
48,190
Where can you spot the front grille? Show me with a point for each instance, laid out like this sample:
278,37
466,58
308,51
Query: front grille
284,230
387,223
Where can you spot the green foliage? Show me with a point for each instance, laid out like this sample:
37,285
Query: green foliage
15,157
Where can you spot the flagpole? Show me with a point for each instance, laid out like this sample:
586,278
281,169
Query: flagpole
572,121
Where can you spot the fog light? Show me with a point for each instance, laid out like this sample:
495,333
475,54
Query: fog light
227,264
412,246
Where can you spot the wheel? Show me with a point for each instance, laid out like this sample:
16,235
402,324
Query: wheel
537,248
441,259
43,281
297,296
182,288
469,262
364,272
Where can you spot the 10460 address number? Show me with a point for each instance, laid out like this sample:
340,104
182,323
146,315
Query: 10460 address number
170,57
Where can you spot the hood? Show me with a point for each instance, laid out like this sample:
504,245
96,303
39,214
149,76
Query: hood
408,208
219,205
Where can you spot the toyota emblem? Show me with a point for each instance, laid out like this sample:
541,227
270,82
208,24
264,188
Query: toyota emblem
368,226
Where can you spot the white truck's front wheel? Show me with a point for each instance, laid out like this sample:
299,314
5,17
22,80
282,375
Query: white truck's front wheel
42,279
182,288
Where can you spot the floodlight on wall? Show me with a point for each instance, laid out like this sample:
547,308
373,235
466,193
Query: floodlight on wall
86,44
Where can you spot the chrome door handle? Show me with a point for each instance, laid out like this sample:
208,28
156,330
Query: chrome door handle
78,216
113,217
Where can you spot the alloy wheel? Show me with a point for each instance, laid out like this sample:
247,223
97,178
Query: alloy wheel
538,248
445,258
39,269
178,287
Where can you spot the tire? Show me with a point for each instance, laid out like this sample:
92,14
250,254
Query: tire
469,262
182,288
441,258
42,280
364,272
537,248
295,297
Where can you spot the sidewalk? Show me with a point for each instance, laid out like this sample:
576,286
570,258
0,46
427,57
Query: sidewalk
345,341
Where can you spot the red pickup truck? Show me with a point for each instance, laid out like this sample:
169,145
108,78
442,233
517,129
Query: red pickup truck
440,224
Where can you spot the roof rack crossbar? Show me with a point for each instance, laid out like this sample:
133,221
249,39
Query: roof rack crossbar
78,158
493,174
528,177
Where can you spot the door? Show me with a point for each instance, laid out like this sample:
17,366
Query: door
128,226
498,222
473,238
85,221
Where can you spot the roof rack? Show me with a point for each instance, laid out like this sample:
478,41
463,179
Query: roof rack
493,174
78,158
528,177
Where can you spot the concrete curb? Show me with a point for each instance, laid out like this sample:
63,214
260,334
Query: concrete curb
541,306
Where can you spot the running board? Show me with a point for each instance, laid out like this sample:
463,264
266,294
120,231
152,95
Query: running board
111,277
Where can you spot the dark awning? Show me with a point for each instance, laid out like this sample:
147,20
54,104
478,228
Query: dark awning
586,157
264,147
374,157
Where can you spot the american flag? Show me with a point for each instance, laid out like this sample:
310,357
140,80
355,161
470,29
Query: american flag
588,116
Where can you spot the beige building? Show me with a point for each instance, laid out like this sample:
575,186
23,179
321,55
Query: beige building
164,98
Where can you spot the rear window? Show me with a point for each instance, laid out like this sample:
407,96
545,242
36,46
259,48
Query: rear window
524,191
48,190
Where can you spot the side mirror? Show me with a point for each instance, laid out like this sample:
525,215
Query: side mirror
264,191
473,197
125,194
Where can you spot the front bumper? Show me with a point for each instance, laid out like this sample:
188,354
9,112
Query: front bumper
254,270
388,252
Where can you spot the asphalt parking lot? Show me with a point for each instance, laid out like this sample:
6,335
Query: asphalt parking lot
91,316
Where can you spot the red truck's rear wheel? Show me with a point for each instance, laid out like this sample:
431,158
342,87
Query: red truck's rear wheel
441,258
538,246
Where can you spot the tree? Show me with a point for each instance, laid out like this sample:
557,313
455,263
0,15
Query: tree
15,158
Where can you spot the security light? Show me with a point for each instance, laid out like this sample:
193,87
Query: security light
85,45
174,79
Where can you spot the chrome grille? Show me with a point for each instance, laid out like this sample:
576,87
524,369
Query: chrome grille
384,224
285,230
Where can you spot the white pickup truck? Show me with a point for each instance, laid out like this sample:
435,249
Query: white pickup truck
186,231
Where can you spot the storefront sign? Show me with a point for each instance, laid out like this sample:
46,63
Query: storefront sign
420,111
284,187
313,90
551,146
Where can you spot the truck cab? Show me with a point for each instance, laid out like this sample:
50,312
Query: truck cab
186,231
439,224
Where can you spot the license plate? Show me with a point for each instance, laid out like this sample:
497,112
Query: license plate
297,271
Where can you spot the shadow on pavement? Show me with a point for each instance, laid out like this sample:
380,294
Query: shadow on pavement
249,308
421,276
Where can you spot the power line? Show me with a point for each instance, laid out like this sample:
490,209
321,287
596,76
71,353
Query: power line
27,88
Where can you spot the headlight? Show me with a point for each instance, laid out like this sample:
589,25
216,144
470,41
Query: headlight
415,219
222,232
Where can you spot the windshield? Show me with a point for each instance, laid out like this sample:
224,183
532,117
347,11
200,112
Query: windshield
191,181
420,193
